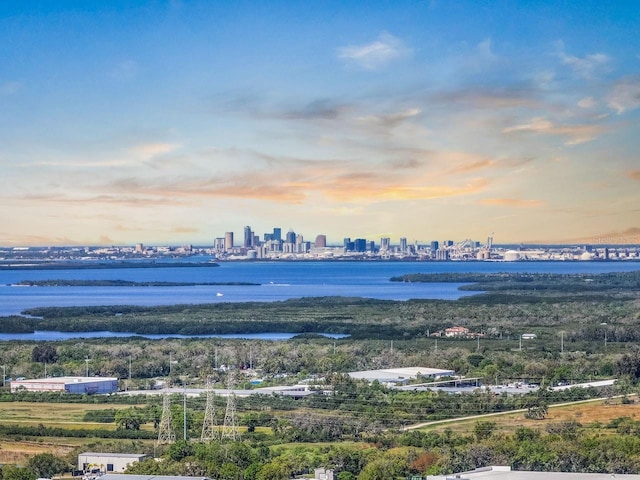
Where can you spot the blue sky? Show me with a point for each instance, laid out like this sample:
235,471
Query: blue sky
175,121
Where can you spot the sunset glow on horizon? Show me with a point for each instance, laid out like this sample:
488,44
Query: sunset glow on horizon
175,121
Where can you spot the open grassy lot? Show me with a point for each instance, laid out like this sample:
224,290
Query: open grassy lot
599,412
18,452
65,415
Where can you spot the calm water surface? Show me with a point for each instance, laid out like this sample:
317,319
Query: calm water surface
278,281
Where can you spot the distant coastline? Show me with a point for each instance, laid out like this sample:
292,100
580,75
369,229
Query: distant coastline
93,265
124,283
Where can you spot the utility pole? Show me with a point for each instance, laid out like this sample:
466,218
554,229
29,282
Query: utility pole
4,375
184,406
562,342
129,367
86,369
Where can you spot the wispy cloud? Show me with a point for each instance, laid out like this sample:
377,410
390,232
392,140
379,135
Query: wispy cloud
625,95
295,180
511,202
485,52
576,133
390,120
149,150
184,230
634,174
587,66
487,97
323,109
587,103
473,166
371,56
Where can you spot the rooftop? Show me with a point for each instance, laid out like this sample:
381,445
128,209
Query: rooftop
399,374
65,380
505,473
114,455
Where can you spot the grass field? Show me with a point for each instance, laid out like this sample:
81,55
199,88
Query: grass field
64,415
70,415
586,413
19,451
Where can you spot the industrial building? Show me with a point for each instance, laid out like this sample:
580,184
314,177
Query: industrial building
79,385
505,473
400,375
90,462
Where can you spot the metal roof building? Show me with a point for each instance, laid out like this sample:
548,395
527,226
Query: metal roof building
80,385
505,473
90,462
400,375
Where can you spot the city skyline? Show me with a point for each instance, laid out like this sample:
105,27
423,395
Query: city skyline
175,122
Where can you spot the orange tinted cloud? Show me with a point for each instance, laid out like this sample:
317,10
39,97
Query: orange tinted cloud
576,133
511,202
634,174
473,166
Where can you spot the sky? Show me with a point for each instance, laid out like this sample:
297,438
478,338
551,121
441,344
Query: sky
172,122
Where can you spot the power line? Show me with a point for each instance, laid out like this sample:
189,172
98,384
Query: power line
230,426
165,429
209,426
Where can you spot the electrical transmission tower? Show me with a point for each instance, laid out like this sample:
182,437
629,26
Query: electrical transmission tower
230,427
209,430
165,429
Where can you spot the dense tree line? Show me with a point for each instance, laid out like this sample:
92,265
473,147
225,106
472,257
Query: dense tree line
563,446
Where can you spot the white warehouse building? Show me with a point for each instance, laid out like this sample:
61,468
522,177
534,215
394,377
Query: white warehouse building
400,375
90,462
79,385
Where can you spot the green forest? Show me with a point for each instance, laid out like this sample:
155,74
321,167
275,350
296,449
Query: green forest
581,328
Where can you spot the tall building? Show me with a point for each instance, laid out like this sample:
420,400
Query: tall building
277,233
248,237
360,245
228,241
218,244
321,241
403,244
290,237
385,244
